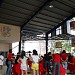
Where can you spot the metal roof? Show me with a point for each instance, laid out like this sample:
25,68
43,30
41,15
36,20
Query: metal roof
36,16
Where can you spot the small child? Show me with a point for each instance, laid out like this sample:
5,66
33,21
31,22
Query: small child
16,67
41,66
29,62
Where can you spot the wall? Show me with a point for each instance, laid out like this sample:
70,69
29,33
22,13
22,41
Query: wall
4,46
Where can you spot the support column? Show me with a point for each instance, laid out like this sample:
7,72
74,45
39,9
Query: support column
23,45
46,43
20,42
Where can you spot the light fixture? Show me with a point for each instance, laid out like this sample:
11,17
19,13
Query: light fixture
51,6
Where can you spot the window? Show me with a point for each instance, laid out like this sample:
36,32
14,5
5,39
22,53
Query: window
58,30
15,47
49,35
71,30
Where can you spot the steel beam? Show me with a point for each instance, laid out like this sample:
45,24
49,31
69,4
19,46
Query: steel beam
1,1
48,1
61,23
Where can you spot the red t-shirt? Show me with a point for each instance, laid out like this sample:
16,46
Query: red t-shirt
56,57
41,66
18,67
64,56
10,56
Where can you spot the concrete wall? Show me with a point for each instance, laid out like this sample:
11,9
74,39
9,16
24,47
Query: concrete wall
8,34
4,46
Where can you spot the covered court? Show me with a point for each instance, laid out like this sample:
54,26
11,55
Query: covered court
36,20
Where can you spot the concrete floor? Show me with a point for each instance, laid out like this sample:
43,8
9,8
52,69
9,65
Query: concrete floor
3,71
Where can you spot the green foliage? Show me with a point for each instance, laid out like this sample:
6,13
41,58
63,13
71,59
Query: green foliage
65,45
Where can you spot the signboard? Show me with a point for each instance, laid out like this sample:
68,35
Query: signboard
58,45
9,33
72,25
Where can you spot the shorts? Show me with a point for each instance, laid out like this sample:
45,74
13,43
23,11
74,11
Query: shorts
23,67
35,66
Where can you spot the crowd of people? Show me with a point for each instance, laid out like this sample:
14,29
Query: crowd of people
53,64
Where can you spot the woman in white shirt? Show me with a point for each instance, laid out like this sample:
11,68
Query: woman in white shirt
1,60
24,63
35,60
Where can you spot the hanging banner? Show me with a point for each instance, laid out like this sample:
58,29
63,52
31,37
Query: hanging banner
72,25
9,33
58,45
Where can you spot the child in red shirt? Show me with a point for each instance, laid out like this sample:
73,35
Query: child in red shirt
41,66
29,62
17,67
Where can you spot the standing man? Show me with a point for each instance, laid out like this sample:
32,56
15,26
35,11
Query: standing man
48,59
9,67
64,58
56,64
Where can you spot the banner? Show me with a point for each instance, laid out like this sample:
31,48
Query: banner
9,33
58,45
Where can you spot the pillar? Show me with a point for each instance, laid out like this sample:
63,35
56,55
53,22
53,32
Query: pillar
46,43
20,42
